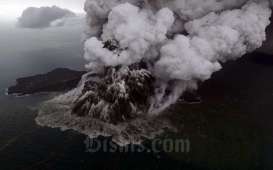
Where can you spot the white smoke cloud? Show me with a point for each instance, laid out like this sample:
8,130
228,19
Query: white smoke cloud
183,41
184,10
74,21
142,28
212,39
42,17
136,31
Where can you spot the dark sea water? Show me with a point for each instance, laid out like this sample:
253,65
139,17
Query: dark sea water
27,146
230,130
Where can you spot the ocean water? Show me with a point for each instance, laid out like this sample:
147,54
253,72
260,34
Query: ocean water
231,129
25,145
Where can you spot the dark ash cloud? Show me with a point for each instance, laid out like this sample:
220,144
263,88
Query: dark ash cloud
42,17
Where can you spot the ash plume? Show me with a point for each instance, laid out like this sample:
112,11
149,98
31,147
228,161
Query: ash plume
142,55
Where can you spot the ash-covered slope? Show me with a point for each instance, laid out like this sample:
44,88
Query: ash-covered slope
119,94
144,54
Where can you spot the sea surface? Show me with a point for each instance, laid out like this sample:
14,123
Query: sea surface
230,130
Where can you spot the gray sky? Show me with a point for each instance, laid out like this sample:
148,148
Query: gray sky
10,9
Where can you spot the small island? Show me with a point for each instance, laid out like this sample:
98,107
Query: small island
58,80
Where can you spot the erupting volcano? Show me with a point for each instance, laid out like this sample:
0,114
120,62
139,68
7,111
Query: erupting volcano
142,55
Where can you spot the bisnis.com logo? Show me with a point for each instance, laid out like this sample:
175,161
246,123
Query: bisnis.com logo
156,146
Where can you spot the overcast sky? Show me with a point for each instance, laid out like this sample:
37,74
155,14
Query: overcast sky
13,8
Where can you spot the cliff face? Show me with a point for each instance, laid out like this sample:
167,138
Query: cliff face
60,79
